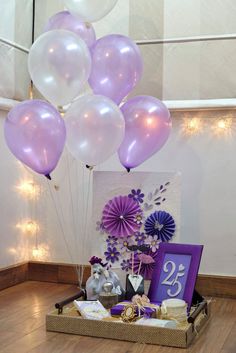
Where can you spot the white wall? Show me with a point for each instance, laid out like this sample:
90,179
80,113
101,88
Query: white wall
14,208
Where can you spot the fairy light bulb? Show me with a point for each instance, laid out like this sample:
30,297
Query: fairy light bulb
192,126
30,227
28,189
223,126
36,252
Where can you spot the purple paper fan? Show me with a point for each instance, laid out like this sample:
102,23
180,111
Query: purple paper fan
160,223
119,216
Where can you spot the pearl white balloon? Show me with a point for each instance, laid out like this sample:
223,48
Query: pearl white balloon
59,64
90,10
95,129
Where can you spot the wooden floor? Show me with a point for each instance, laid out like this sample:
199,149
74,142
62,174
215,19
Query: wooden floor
22,326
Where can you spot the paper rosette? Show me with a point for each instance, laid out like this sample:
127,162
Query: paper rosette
119,216
160,223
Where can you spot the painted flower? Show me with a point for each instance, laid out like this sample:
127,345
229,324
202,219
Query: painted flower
136,195
145,263
140,238
126,265
118,216
161,224
112,254
111,241
153,241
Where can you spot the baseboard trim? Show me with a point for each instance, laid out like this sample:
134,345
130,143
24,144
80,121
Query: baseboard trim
216,286
12,275
56,272
207,285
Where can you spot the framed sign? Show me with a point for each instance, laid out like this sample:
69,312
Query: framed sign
175,272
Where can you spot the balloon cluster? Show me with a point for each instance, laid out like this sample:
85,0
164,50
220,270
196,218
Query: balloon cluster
61,61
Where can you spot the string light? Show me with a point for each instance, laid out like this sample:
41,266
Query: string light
40,252
192,126
28,189
30,227
223,126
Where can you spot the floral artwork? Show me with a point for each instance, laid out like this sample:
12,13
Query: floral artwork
132,225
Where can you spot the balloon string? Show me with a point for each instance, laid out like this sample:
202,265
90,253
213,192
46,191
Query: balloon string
86,219
74,230
60,223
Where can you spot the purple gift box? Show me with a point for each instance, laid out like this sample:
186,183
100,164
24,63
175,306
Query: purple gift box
118,308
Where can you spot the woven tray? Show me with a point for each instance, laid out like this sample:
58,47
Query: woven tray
70,322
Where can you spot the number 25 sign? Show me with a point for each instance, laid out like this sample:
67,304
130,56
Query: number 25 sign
175,272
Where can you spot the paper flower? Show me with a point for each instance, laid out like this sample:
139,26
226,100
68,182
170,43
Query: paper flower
111,240
140,238
126,265
153,241
160,223
147,263
136,195
100,228
112,254
119,216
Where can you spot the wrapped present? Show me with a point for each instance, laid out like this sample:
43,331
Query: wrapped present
150,310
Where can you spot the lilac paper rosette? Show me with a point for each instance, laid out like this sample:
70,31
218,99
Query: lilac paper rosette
119,216
160,223
148,261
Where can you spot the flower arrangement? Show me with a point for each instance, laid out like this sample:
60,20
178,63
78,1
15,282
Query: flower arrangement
133,226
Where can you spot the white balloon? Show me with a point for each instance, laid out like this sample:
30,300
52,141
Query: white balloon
95,129
90,10
59,64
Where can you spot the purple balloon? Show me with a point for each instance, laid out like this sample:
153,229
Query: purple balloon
35,133
147,128
116,67
65,20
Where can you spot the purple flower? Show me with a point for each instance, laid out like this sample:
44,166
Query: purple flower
140,238
112,254
111,240
124,242
119,216
126,265
136,195
153,241
100,227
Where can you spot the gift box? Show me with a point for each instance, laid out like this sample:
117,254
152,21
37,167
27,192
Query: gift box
147,311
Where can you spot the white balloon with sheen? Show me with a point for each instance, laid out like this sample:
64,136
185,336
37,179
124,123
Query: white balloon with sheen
59,64
95,129
90,10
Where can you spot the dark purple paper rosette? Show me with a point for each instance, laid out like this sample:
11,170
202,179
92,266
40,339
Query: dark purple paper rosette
160,223
147,260
119,216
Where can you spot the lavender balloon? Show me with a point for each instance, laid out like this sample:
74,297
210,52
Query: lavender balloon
35,133
65,20
116,67
147,128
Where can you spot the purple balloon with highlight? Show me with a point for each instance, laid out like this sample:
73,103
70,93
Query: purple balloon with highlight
35,133
147,128
65,20
116,67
